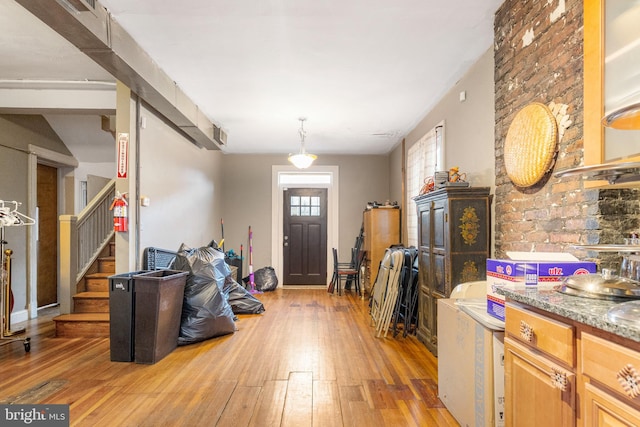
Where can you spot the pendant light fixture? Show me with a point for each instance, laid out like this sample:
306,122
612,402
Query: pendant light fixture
302,160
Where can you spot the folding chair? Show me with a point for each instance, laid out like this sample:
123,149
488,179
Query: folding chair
391,294
406,310
380,286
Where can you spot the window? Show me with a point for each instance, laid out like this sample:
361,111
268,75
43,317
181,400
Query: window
83,194
304,178
424,158
305,205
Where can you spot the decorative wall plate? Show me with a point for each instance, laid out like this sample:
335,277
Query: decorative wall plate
530,146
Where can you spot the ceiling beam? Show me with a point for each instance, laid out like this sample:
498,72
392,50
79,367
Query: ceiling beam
52,100
101,38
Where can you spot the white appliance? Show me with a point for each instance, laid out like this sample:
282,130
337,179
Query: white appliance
471,357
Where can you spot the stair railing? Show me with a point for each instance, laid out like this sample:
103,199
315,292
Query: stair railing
82,239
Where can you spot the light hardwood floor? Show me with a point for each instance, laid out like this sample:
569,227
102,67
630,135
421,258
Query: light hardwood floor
312,359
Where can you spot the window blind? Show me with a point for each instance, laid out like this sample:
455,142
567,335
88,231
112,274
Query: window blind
423,158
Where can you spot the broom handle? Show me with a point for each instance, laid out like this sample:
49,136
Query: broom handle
251,276
222,227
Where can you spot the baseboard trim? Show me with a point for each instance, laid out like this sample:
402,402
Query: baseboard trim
19,316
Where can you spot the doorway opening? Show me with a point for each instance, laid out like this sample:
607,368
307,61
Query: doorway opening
47,243
41,159
287,177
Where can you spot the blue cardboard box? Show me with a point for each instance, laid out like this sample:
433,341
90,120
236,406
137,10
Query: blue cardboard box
529,270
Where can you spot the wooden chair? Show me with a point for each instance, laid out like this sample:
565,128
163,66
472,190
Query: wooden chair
346,270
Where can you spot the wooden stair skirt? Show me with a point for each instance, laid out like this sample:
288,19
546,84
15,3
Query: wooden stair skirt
90,317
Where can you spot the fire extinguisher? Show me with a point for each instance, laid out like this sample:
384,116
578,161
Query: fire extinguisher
119,208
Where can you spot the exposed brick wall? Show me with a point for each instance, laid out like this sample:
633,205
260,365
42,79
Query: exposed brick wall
539,58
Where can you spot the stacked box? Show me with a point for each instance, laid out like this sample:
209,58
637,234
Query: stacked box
525,274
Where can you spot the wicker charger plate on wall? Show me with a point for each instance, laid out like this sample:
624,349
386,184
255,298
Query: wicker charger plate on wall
530,147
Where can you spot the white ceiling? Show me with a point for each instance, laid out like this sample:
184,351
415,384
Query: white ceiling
363,73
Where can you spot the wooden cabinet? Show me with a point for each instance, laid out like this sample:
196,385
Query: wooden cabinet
550,365
602,409
611,385
551,337
381,230
539,370
454,240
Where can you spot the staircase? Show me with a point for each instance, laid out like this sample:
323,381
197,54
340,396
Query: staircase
90,316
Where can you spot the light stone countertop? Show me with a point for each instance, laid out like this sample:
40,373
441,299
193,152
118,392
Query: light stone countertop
592,312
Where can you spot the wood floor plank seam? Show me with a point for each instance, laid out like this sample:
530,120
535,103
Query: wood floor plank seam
310,359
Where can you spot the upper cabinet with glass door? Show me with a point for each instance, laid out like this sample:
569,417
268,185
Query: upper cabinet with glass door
611,78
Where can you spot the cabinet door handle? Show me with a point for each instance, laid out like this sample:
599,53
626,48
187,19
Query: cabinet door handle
559,379
629,380
526,331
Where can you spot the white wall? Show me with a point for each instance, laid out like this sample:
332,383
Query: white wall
85,169
469,124
183,183
247,198
17,133
469,128
13,186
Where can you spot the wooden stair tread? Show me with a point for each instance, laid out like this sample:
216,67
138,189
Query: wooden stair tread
83,317
91,295
99,275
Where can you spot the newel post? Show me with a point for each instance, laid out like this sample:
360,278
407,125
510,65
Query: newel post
68,251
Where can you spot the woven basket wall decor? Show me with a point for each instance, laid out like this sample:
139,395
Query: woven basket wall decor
530,146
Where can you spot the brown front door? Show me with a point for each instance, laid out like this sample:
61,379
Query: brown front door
47,189
305,236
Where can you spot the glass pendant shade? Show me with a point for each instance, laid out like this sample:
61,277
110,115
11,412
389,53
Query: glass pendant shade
302,160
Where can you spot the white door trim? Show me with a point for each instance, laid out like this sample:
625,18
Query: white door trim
277,216
65,164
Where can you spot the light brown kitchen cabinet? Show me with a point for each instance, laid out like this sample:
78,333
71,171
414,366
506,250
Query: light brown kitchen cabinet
611,383
543,334
539,370
454,240
565,373
602,409
528,383
381,230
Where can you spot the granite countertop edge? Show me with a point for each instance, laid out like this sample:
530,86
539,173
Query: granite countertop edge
589,311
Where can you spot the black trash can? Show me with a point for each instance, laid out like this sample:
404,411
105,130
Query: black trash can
158,311
121,316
